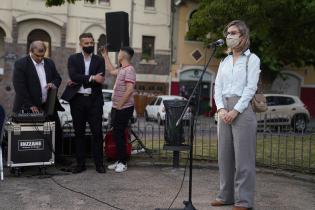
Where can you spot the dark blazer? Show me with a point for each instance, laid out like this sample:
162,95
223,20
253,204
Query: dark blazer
76,70
27,85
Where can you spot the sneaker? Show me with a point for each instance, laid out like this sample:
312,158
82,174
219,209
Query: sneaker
112,166
121,168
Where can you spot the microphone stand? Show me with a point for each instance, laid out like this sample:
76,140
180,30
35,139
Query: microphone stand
188,204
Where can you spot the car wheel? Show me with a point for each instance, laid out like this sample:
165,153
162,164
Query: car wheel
159,120
299,123
146,116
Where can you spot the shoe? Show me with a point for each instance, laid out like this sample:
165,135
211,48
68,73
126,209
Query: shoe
218,203
112,166
101,169
78,169
63,161
240,208
121,168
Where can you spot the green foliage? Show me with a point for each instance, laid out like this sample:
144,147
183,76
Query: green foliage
282,31
50,3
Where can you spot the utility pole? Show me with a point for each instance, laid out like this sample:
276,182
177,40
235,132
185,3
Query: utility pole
131,22
173,9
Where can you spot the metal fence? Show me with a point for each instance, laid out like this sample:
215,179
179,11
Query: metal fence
278,145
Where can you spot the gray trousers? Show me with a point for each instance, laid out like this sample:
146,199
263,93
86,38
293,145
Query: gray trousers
237,147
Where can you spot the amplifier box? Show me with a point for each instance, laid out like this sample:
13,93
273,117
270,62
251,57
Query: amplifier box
30,144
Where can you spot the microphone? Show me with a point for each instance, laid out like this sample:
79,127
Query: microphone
217,43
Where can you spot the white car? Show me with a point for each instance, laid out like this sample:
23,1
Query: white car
107,108
283,110
155,109
66,118
108,104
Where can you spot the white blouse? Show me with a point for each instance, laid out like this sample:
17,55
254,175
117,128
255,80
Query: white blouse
231,80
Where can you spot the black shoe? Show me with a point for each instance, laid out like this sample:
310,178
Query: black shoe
63,161
101,169
78,169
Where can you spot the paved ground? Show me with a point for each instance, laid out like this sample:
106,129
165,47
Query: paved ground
143,187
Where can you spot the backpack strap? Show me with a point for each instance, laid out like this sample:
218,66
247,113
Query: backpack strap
247,61
259,85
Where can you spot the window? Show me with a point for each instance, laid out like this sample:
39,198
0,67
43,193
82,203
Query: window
2,53
149,3
98,2
285,100
104,2
151,88
153,101
148,47
191,36
101,42
272,101
141,87
89,2
158,103
107,96
160,88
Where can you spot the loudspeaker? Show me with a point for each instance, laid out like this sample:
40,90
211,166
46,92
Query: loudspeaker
117,30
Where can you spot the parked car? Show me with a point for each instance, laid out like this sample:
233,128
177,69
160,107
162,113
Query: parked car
108,103
155,109
283,110
66,119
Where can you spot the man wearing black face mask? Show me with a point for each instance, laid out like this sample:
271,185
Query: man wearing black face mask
84,93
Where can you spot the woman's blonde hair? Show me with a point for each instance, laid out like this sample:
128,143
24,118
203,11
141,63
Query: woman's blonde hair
244,31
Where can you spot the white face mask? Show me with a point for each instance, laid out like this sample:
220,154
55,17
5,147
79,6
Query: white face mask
232,41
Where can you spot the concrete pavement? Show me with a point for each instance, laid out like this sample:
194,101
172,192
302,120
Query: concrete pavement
143,187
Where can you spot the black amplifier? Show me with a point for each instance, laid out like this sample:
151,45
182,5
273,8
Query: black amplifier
30,144
29,117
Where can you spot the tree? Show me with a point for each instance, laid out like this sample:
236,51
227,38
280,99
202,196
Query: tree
282,31
50,3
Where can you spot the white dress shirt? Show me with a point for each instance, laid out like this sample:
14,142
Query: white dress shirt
231,80
42,78
87,63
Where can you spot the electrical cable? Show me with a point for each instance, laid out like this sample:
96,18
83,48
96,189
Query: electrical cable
195,124
181,185
84,194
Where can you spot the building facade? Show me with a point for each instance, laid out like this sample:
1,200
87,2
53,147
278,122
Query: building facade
22,21
189,58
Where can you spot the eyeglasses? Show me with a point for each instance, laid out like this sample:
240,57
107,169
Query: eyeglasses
232,33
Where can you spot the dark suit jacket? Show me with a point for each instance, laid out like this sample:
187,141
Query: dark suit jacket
27,85
76,70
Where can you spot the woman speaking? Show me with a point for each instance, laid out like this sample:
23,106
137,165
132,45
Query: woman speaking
235,86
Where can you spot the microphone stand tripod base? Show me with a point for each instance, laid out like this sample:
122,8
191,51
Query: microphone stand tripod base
188,206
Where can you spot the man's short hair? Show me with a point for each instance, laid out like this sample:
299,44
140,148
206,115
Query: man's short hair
86,35
38,45
128,50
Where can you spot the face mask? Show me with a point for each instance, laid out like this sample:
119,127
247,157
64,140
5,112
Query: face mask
88,49
232,41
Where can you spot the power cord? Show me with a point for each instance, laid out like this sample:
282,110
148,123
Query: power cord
84,194
181,185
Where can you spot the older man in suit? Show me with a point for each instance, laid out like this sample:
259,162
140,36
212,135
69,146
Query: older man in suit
84,93
33,76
